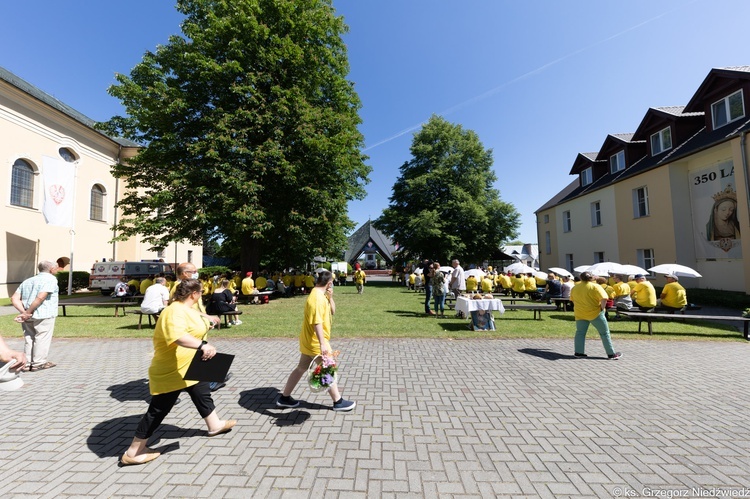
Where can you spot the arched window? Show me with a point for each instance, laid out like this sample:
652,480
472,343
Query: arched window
96,208
67,155
22,184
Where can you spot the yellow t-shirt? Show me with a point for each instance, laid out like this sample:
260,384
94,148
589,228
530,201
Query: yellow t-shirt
359,277
471,283
136,283
317,311
487,285
519,285
587,300
505,281
645,294
529,283
621,288
287,280
145,284
674,295
260,283
299,280
309,281
171,361
248,285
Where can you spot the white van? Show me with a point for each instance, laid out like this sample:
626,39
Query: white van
106,275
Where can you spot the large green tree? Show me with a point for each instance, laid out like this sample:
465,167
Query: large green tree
444,204
249,127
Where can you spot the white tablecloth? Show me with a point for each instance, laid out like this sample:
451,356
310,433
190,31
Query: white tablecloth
467,305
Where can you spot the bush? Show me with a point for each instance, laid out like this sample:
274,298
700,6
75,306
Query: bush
80,281
213,270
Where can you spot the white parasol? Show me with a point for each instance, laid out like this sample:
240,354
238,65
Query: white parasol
478,273
676,269
560,271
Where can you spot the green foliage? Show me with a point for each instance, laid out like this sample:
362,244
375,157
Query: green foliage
443,203
714,298
250,131
213,270
80,280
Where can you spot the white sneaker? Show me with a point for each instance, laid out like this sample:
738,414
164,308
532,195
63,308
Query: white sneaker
236,323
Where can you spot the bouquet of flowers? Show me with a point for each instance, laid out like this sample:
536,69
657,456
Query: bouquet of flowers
322,373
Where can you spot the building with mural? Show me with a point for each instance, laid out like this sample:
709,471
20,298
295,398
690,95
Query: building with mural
674,191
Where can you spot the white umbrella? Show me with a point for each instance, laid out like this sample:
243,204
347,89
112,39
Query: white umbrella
478,273
676,269
560,271
541,275
634,270
319,270
418,270
581,268
606,268
446,269
520,268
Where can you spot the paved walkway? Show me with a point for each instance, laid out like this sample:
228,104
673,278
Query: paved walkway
436,418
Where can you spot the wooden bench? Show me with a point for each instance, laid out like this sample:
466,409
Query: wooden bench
537,308
262,296
648,318
141,313
227,315
118,305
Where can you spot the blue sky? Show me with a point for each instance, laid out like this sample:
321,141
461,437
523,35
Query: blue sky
538,81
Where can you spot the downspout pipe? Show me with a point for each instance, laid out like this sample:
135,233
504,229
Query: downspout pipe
743,155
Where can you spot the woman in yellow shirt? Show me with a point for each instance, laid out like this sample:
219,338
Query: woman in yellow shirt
590,302
180,331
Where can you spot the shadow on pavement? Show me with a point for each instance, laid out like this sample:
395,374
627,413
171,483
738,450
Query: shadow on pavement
132,390
111,438
543,353
263,401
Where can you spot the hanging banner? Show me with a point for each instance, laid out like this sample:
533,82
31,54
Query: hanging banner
713,197
59,178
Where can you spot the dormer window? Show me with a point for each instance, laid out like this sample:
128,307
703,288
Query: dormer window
617,162
586,177
661,141
728,109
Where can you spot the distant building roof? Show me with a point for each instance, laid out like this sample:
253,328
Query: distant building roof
51,101
368,238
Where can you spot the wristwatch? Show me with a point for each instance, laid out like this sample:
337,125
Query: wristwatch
202,343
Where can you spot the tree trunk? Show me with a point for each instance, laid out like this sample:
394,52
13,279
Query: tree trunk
250,255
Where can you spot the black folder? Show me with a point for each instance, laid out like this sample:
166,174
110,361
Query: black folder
214,369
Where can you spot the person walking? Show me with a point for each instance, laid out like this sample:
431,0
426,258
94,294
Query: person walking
36,301
589,304
438,290
427,274
359,280
180,331
314,340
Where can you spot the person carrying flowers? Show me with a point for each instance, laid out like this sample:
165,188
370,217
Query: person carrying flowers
314,340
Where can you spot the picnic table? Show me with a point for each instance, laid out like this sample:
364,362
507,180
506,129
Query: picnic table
118,305
263,297
537,308
649,317
467,305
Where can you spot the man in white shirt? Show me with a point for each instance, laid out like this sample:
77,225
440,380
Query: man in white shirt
156,297
458,279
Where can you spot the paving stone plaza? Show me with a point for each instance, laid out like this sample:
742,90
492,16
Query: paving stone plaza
435,418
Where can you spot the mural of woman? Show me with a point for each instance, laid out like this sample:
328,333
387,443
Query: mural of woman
723,223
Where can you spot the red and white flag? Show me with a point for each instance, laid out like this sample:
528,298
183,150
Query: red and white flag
59,182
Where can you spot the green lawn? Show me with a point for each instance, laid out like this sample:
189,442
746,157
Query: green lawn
385,310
